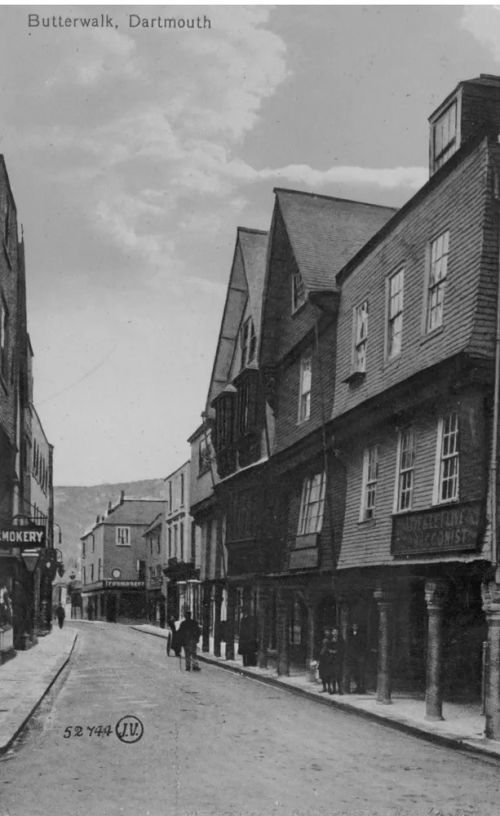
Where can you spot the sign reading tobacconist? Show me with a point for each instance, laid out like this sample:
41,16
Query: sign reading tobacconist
31,536
452,528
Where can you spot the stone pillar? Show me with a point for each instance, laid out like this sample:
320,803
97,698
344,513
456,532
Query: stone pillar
217,608
311,640
283,616
262,625
231,610
385,603
491,606
435,594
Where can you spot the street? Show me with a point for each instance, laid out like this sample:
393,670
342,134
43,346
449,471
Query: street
217,743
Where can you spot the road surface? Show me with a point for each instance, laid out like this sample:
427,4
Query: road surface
218,744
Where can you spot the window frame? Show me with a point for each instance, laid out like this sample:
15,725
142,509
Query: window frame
118,542
369,483
360,339
248,343
312,506
447,149
436,285
304,406
394,316
298,291
443,457
403,471
204,456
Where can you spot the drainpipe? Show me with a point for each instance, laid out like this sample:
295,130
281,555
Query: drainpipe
496,391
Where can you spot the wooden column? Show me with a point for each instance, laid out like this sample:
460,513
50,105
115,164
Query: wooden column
217,608
385,603
231,610
491,606
283,616
262,625
435,595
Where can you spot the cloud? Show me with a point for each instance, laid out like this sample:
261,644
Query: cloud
483,22
385,178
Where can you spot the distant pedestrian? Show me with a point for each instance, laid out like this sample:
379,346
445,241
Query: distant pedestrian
189,635
60,615
248,645
173,638
330,662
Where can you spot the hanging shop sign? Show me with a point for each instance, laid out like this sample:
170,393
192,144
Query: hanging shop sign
29,536
450,528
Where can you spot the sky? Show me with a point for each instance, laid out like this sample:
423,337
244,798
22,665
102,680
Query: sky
135,152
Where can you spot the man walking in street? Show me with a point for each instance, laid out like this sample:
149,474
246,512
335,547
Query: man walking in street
189,634
60,615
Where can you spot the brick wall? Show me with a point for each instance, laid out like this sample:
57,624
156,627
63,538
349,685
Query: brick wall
124,557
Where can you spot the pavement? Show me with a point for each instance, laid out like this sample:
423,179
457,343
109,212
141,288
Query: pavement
26,679
462,727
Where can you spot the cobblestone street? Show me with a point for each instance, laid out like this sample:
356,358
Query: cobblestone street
217,743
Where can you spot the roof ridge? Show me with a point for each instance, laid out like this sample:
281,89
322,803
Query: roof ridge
252,230
333,198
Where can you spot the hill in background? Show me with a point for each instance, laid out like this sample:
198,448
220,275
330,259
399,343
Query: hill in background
76,508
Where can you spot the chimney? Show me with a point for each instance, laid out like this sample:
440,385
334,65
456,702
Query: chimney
97,519
122,497
109,507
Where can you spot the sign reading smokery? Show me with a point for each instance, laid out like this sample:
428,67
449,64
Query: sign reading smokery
441,529
31,536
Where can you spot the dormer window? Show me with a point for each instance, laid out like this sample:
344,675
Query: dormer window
298,291
444,136
248,343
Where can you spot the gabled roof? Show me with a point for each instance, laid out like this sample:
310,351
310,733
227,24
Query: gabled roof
325,232
134,511
254,249
128,512
157,522
246,284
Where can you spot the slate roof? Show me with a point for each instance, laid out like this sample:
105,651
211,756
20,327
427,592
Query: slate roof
134,511
253,245
326,232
